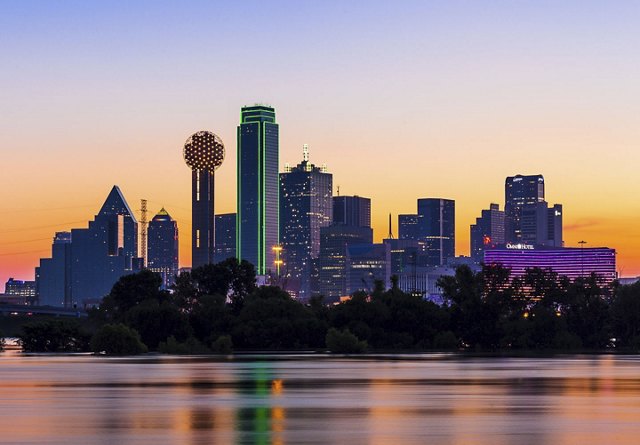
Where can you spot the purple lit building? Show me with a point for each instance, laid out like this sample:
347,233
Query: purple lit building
572,262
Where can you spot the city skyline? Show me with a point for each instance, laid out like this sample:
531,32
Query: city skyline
434,101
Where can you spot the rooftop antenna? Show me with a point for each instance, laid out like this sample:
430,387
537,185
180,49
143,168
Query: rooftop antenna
143,231
338,191
390,232
305,153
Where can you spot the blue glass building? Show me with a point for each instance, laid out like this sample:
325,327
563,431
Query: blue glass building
305,207
162,256
225,246
352,211
332,262
437,229
85,264
257,219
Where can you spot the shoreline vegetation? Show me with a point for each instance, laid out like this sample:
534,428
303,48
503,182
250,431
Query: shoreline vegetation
218,309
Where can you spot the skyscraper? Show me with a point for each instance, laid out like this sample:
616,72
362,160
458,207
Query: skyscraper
332,262
258,206
488,231
162,256
203,153
436,225
86,263
352,211
225,237
528,217
554,225
305,207
408,227
519,191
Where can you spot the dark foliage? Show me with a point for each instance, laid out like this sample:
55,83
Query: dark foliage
54,336
117,339
218,308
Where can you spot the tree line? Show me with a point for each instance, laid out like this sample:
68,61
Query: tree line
218,308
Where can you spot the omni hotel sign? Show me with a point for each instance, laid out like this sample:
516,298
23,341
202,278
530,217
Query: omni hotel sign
520,246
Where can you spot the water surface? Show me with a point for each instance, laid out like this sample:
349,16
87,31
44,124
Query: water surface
311,399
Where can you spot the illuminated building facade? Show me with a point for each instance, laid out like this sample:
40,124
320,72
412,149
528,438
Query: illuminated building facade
404,253
87,262
305,207
258,207
20,291
332,261
436,225
365,264
528,217
352,211
408,228
570,262
488,231
225,246
520,191
203,152
162,256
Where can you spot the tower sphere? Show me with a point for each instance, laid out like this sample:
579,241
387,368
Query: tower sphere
203,150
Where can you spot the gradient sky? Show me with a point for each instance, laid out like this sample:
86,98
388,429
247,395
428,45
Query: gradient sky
400,100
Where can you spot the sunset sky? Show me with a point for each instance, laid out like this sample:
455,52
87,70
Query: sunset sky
401,100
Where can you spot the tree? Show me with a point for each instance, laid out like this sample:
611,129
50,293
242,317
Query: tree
129,291
625,315
157,321
54,336
344,342
271,319
117,339
588,312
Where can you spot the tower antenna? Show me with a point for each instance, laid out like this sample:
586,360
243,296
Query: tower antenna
305,152
143,231
390,232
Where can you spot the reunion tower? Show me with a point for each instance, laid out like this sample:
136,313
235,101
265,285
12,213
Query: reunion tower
203,152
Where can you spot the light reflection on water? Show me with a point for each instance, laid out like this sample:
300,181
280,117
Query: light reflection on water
289,399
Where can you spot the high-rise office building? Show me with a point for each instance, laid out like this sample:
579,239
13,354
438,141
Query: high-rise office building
332,262
437,222
86,263
408,228
305,207
258,206
528,217
519,191
53,276
554,225
162,256
366,264
352,211
225,237
203,153
488,231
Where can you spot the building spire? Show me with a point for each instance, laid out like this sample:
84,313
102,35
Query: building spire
305,152
390,231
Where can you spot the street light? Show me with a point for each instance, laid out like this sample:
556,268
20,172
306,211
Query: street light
582,243
278,262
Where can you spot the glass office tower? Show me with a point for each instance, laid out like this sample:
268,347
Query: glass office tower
305,207
437,223
258,207
520,191
162,256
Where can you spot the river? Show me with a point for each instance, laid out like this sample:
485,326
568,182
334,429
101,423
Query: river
318,399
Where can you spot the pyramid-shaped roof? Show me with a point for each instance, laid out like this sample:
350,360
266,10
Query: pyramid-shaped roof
162,215
115,204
